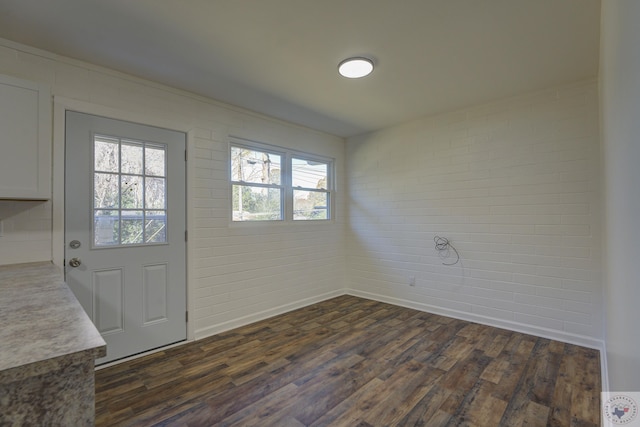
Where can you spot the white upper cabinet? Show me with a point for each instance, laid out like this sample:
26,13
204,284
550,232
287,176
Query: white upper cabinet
25,140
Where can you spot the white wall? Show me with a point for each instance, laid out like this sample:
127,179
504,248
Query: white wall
237,273
620,91
514,185
26,231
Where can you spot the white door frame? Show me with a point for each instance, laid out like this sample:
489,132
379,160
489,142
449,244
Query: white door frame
60,106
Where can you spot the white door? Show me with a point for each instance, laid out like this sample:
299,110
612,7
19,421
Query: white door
125,231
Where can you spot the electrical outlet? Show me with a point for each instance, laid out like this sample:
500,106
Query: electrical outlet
412,280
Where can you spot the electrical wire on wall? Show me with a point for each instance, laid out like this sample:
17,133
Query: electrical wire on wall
443,246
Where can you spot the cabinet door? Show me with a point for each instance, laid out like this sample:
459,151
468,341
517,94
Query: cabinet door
25,140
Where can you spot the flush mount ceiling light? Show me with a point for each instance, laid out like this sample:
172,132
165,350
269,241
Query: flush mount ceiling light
354,68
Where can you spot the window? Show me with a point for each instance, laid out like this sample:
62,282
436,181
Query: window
256,184
129,192
309,180
274,184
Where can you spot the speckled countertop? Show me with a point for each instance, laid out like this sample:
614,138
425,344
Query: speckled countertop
40,318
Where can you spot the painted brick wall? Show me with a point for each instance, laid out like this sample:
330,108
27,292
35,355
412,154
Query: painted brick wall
237,273
513,185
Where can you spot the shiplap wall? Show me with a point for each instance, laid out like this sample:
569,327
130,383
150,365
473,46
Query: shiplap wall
237,273
249,271
514,185
26,231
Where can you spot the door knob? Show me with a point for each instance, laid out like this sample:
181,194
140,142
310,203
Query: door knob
75,262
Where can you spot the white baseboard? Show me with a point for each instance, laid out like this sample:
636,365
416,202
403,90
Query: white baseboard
569,338
262,315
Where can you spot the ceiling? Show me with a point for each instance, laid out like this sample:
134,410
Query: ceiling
280,57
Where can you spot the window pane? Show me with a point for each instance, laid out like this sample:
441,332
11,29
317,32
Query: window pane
105,154
131,232
106,227
131,154
155,227
131,192
255,166
308,174
155,193
256,203
310,205
154,160
106,191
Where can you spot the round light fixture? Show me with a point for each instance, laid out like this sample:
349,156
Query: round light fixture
354,68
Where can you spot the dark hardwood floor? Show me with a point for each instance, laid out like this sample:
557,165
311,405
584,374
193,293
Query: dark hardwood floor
355,362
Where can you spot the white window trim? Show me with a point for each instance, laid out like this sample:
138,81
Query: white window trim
285,181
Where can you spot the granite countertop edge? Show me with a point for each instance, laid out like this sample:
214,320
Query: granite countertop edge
41,320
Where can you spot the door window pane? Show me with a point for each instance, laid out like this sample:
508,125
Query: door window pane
155,227
154,160
106,190
132,158
130,192
131,227
106,156
155,193
106,227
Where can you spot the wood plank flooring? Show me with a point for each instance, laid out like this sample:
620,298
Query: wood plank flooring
355,362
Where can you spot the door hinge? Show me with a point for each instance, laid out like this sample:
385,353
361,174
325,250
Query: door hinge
186,236
186,316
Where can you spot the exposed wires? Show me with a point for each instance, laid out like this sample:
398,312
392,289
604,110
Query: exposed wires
443,247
